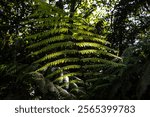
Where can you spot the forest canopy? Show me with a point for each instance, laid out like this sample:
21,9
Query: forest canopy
74,49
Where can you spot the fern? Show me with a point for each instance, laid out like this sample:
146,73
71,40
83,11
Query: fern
74,47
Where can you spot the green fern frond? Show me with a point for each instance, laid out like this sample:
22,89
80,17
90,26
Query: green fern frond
47,22
56,54
54,46
51,40
95,66
47,33
82,32
97,52
99,60
81,26
72,47
91,38
59,61
88,44
65,68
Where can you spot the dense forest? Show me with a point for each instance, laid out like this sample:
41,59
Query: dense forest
74,49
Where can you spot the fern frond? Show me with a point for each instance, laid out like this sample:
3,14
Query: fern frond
51,40
74,48
59,61
88,44
95,66
56,54
47,33
54,46
65,68
82,32
91,38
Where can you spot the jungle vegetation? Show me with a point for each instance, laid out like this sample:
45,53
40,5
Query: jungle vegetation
74,49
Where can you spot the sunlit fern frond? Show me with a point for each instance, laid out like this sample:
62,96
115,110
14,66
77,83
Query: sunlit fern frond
69,44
